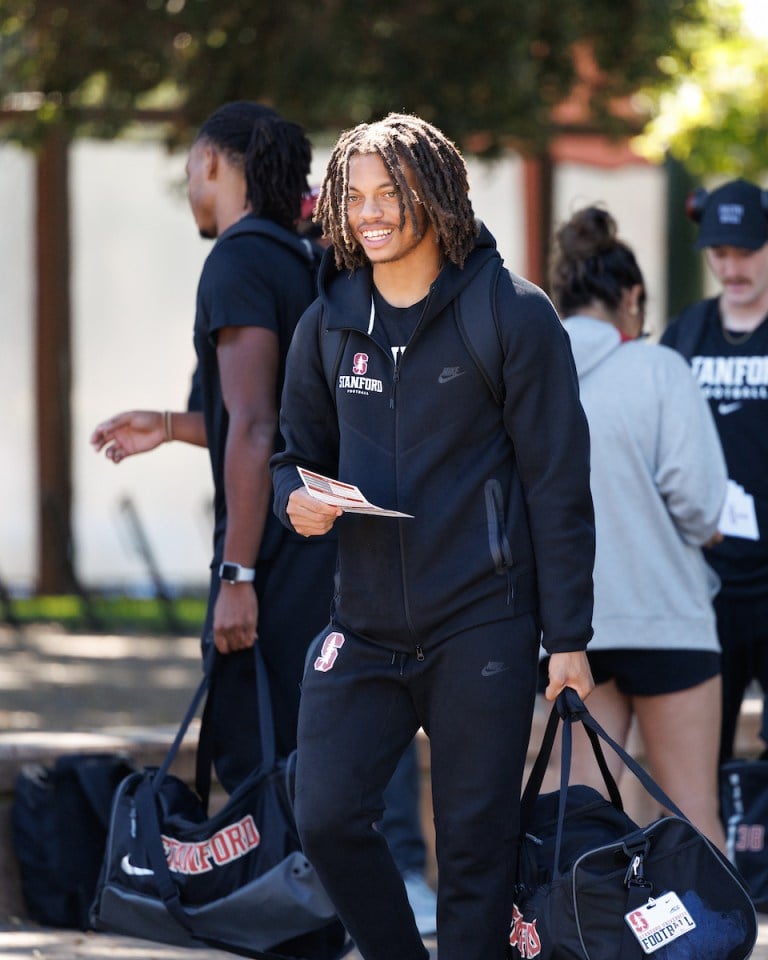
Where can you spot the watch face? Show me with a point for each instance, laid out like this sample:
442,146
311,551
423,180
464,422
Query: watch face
236,573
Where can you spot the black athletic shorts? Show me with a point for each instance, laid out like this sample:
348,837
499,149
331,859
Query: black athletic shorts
648,673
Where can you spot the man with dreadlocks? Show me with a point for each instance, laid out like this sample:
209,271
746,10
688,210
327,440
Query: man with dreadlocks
246,172
437,616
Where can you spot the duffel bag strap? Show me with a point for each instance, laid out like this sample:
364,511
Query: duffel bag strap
633,882
204,759
565,773
572,708
536,776
163,769
146,810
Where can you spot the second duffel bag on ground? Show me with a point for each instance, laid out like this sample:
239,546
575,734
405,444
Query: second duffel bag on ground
593,885
744,811
60,817
236,880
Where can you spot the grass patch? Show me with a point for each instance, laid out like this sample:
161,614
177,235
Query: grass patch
110,614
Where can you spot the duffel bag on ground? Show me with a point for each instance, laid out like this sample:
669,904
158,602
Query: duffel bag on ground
59,821
744,811
236,880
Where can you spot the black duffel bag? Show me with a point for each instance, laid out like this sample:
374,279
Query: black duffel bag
744,811
236,880
593,885
59,820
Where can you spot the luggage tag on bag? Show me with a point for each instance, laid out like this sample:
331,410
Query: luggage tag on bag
659,922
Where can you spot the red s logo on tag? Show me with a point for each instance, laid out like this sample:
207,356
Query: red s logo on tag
638,921
331,645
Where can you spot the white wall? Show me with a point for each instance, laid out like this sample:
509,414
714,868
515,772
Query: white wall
137,257
136,261
17,426
635,196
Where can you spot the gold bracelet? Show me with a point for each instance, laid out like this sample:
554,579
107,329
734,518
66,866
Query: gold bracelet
168,419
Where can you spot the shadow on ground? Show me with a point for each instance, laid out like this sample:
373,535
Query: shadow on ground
59,681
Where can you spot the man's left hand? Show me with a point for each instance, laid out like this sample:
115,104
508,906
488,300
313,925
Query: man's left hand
569,670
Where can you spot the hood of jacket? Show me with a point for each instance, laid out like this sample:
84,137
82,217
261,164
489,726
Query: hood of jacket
349,292
592,342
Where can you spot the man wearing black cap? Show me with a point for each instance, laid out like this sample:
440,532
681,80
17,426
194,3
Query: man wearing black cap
725,338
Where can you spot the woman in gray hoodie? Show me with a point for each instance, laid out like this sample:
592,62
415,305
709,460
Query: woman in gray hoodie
658,483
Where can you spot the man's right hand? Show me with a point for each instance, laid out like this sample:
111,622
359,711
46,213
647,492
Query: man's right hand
310,517
235,616
135,431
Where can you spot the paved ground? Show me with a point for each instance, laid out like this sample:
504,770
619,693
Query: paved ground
67,945
54,681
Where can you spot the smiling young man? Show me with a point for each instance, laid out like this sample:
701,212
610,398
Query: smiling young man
437,616
725,338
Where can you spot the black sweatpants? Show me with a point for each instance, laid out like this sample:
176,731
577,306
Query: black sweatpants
361,705
295,591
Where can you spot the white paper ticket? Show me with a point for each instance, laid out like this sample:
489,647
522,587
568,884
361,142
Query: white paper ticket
343,495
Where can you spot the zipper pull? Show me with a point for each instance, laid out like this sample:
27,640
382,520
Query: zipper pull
395,378
419,652
635,875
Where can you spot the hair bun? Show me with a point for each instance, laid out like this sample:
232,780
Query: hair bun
589,232
590,263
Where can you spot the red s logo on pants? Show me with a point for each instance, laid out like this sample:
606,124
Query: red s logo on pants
331,645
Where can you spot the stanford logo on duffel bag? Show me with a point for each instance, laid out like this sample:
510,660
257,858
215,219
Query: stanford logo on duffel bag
524,936
223,847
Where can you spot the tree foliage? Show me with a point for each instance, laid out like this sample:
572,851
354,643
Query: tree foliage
490,69
710,110
84,65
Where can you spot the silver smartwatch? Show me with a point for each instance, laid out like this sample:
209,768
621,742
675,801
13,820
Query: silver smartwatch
235,573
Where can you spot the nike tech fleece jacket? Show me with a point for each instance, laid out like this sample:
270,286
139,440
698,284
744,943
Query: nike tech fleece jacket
502,514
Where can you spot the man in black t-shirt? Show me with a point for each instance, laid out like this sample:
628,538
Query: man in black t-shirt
246,175
725,338
247,186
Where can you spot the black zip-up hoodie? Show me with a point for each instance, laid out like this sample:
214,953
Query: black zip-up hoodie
502,514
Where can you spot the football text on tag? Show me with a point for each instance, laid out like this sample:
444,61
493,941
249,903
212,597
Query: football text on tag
659,922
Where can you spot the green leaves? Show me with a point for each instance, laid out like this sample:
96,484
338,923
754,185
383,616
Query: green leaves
711,109
488,72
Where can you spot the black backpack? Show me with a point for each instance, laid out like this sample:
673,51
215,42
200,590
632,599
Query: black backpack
60,817
309,251
685,332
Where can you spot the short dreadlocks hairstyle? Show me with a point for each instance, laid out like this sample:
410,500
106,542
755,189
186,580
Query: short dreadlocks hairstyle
274,153
402,141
